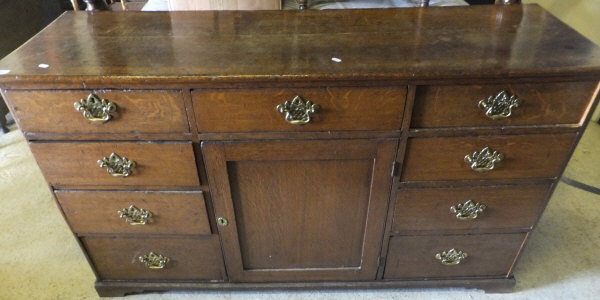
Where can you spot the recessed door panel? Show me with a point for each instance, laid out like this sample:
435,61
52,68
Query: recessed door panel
294,216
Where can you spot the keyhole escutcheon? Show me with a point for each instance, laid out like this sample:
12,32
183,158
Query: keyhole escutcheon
222,222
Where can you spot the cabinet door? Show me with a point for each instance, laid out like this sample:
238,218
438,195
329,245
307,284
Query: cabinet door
301,210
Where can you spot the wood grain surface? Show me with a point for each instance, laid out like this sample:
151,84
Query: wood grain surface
542,104
525,156
75,164
409,44
116,258
507,207
138,112
488,255
96,212
254,110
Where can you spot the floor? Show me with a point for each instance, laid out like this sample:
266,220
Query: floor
40,258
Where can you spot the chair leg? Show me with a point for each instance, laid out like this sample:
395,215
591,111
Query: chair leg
3,112
302,4
92,5
3,125
89,5
75,4
424,3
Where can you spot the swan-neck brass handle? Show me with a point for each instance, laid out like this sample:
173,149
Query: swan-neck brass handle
154,261
135,216
451,257
499,106
117,166
484,160
297,111
467,211
95,109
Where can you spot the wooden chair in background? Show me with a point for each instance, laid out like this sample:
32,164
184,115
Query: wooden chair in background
92,5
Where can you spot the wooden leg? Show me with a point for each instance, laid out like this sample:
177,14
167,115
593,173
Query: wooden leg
302,4
104,291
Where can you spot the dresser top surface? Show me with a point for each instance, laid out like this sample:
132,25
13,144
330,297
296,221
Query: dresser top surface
447,43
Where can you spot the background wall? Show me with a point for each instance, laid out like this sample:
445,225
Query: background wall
582,15
19,21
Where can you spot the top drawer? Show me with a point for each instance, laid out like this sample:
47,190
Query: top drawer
541,104
135,112
246,110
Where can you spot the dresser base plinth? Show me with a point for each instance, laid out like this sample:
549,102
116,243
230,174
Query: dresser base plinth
122,288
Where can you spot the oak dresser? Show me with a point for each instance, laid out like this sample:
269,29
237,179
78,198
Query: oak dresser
303,149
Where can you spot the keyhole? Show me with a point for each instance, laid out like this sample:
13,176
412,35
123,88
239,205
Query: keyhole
222,221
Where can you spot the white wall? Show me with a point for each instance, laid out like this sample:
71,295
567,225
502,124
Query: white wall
582,15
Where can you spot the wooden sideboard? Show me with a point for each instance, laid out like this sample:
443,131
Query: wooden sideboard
303,149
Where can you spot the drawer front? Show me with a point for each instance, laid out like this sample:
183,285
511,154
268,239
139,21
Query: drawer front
515,207
90,212
487,255
524,156
72,165
136,112
189,258
339,109
542,104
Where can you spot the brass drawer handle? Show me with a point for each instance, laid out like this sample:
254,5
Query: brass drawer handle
451,257
95,109
484,160
117,166
297,111
135,216
499,106
154,261
467,211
